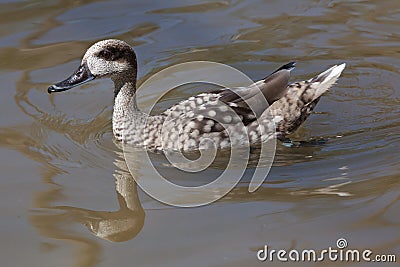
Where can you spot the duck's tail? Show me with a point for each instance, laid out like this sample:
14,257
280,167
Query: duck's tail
291,110
326,79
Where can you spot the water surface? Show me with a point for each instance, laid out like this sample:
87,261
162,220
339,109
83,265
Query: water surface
66,198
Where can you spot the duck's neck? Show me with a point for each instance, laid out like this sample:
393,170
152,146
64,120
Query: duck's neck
125,96
125,106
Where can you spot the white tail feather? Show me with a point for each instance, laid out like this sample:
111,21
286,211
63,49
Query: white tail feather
327,78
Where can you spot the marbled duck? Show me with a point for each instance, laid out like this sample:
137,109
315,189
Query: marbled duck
193,123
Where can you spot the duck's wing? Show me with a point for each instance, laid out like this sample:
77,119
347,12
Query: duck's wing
215,111
271,88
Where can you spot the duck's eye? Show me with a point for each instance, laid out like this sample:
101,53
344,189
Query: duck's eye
106,54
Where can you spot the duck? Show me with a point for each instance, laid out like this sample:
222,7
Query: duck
269,108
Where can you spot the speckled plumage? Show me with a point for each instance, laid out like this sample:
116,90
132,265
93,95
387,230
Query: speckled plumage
269,108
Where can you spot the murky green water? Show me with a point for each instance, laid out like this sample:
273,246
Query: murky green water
64,194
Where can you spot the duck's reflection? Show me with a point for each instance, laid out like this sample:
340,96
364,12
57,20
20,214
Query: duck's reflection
116,226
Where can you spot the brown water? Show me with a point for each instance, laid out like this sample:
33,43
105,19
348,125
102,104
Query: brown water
65,196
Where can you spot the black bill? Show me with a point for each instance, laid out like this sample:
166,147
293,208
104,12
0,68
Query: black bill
80,76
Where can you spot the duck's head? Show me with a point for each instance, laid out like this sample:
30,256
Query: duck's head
112,58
